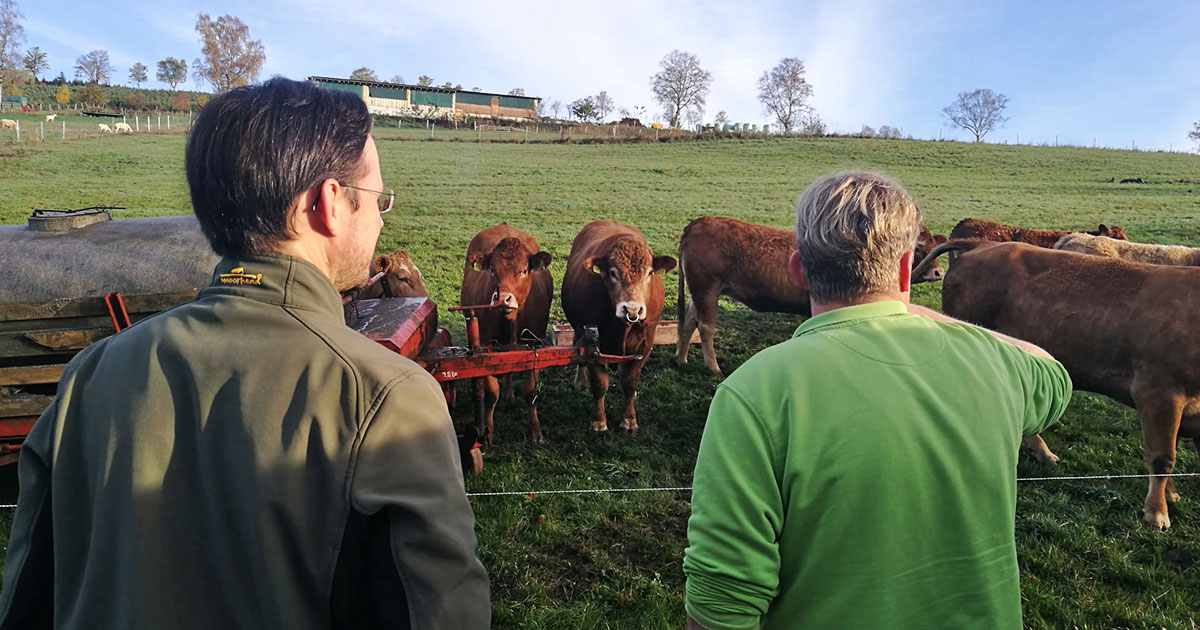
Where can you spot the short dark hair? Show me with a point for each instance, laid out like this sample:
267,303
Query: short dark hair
254,149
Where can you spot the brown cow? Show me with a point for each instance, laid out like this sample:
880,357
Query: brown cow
749,263
391,275
1000,233
1142,349
613,282
505,266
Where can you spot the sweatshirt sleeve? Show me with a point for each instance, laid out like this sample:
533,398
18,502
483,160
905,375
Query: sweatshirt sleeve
1047,392
408,465
28,598
732,559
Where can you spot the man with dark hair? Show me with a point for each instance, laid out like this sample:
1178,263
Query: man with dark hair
246,460
863,473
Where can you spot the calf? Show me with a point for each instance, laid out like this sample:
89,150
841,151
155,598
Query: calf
1142,350
613,282
505,266
122,128
391,275
1136,252
1000,233
51,117
8,123
104,128
749,263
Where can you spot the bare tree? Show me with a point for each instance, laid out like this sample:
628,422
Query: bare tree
721,120
784,93
137,74
12,35
979,112
396,79
555,109
364,74
604,105
172,71
424,80
680,85
229,58
35,61
94,67
517,92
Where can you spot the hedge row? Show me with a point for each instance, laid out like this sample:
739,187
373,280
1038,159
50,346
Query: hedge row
43,94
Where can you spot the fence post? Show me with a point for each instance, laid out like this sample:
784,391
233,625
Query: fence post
64,130
137,123
160,121
168,122
42,131
18,131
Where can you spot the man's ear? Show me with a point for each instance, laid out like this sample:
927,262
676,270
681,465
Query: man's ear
663,264
322,216
906,272
797,269
540,260
381,263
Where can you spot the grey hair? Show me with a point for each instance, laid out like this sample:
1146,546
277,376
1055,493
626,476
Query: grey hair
851,230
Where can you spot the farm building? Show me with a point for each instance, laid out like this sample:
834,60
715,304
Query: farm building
398,99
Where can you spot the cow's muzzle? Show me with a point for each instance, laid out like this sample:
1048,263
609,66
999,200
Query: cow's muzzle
632,312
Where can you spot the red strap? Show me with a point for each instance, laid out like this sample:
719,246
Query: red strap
116,310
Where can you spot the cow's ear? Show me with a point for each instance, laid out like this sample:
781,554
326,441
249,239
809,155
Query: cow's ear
938,239
381,263
664,263
1103,230
540,260
596,264
473,260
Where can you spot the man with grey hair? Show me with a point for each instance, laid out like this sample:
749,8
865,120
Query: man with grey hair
863,473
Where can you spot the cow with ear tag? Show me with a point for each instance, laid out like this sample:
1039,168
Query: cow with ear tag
505,266
394,275
614,282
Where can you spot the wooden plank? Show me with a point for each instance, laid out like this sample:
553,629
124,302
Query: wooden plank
23,405
91,306
31,375
40,343
667,334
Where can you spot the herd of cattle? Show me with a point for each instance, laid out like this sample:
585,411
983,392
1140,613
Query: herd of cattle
1117,314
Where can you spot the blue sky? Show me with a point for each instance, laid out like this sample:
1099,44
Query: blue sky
1113,73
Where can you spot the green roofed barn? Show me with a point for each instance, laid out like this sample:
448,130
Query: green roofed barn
397,99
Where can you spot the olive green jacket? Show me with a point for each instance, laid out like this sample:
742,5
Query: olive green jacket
244,461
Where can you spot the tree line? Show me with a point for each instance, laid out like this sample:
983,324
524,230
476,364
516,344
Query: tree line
228,58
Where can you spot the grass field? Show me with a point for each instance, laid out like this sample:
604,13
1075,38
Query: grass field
613,561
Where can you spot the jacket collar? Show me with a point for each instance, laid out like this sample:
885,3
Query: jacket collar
849,314
275,279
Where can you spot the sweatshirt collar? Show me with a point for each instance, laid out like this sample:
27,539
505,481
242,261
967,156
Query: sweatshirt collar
275,279
848,314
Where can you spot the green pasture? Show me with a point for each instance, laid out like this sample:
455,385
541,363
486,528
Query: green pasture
613,560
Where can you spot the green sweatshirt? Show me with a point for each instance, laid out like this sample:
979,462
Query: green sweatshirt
244,461
863,475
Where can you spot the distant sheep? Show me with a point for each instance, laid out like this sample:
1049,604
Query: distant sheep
51,117
8,123
1136,252
123,128
104,128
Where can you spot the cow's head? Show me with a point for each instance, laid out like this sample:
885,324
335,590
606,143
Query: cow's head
1111,231
393,275
626,270
926,242
511,264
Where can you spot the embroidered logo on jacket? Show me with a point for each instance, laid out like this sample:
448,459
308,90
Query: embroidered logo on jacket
238,275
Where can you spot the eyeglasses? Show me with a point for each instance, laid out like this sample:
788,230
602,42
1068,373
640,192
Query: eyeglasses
386,199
